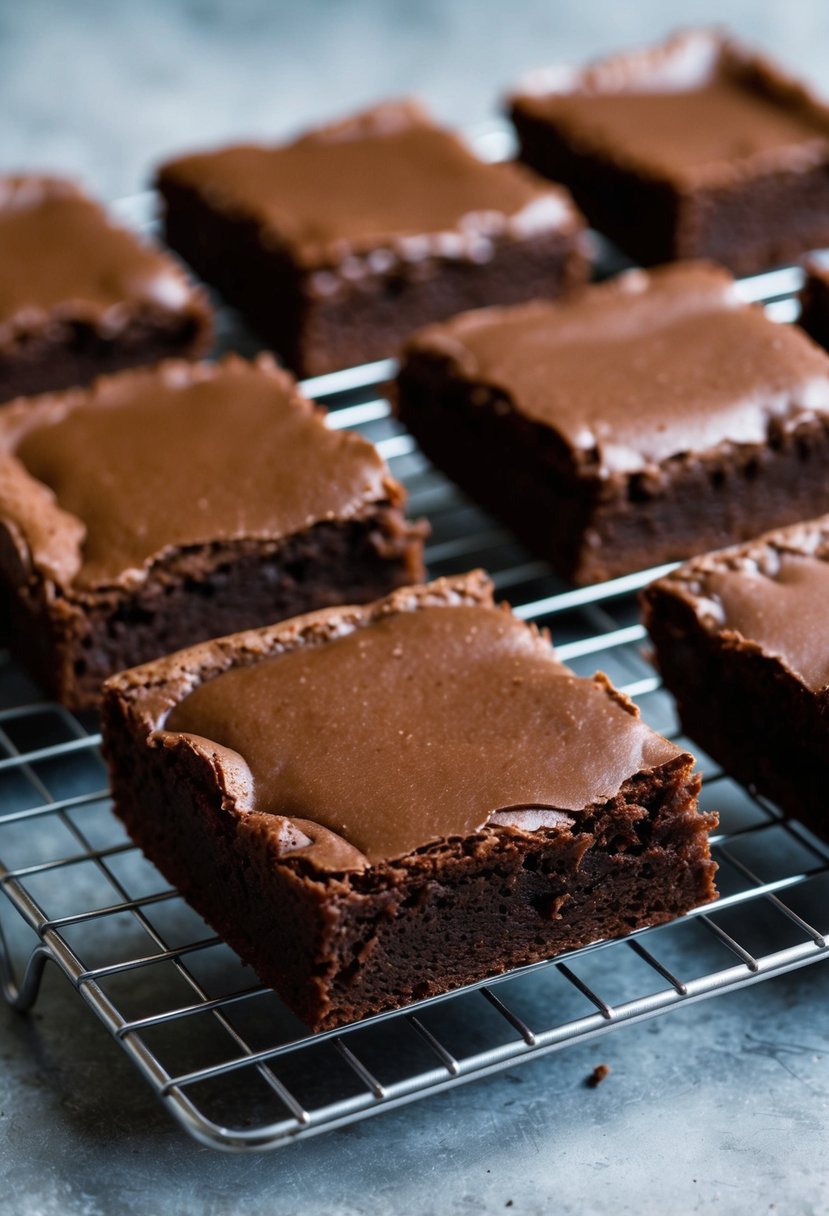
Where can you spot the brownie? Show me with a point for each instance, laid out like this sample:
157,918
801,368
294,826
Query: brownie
338,245
80,296
814,301
740,639
639,421
375,805
164,506
694,148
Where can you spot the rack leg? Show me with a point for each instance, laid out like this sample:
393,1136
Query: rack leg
23,994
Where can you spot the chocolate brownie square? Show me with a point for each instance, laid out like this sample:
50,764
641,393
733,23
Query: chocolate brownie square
375,805
741,641
338,245
80,296
695,148
164,506
639,421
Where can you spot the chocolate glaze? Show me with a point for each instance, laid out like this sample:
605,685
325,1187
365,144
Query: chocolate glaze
773,593
419,726
61,258
179,455
643,368
699,109
386,177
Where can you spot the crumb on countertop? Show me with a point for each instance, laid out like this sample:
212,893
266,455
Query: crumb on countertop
597,1076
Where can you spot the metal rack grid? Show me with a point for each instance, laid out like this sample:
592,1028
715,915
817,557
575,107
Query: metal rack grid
222,1053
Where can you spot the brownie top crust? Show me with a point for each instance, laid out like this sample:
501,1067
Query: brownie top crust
387,182
697,110
103,481
772,594
643,368
429,719
62,259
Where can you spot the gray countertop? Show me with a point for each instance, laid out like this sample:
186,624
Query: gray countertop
719,1107
107,88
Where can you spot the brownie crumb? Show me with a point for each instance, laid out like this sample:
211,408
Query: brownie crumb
597,1076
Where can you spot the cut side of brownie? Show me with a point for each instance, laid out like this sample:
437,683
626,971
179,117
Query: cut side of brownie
376,805
164,506
80,297
337,246
742,641
695,148
636,422
814,300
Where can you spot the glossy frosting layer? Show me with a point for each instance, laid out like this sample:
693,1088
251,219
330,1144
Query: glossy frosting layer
421,726
61,257
388,176
649,366
697,108
189,454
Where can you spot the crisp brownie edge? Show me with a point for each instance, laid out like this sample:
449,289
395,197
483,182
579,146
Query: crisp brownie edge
743,706
67,354
72,641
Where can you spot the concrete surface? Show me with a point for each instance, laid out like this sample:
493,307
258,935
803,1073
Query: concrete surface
719,1108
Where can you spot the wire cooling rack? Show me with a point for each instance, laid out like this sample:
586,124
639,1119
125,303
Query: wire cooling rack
222,1052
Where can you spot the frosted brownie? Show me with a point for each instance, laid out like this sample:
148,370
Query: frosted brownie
80,296
639,421
695,148
164,506
338,245
742,641
375,805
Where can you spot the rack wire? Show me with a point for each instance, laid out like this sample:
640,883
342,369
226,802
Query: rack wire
221,1052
